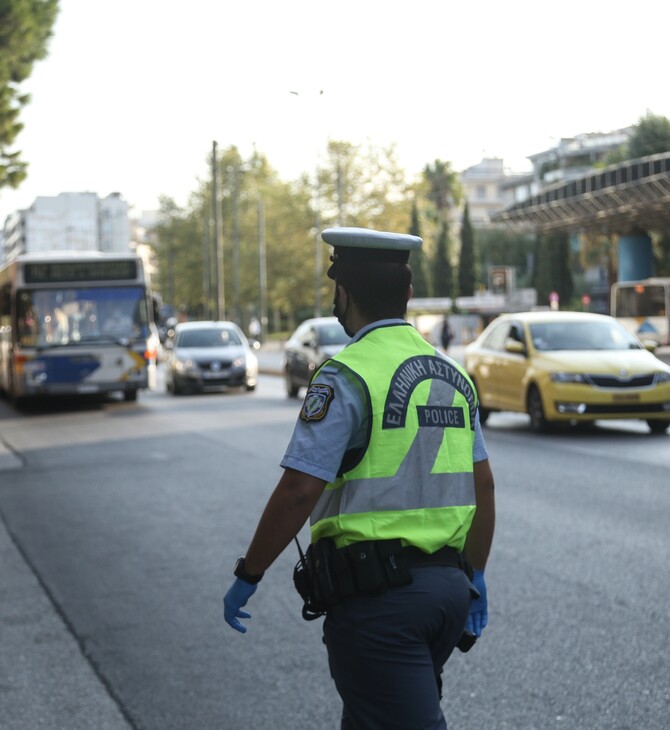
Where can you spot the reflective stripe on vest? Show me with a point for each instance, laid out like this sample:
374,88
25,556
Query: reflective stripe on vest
415,479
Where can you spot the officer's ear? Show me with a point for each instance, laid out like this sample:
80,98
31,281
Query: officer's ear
410,292
342,293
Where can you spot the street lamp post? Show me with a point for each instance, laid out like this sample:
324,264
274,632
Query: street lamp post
220,307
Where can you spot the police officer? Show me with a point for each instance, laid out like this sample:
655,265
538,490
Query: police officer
387,446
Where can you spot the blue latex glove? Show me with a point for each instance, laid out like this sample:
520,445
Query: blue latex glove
238,595
479,607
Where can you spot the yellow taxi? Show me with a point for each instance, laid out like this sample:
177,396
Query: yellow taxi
567,367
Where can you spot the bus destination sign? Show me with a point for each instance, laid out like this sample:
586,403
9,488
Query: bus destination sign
54,272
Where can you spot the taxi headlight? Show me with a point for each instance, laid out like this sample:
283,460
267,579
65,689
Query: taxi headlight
567,378
662,378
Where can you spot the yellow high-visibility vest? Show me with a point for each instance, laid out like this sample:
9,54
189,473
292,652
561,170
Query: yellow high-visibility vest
414,480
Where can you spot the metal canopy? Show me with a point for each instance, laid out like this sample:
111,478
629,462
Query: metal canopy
617,199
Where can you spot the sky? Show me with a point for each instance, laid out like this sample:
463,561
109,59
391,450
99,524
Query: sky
134,92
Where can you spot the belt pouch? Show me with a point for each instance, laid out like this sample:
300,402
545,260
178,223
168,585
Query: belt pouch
325,588
343,573
367,569
394,562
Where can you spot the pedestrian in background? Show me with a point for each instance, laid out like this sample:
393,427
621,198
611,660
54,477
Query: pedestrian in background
388,460
446,335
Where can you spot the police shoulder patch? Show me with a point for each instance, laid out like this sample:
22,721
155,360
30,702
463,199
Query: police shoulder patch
316,403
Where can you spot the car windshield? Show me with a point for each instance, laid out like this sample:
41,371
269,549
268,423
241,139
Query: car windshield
333,334
208,338
595,335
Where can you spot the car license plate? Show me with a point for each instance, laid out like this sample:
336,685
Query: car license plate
626,397
87,389
216,375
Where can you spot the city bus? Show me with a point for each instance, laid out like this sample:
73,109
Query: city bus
643,307
75,323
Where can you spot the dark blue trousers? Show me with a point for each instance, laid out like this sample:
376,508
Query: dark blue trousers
386,652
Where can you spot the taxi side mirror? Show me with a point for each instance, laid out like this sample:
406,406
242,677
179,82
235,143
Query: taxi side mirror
650,345
515,347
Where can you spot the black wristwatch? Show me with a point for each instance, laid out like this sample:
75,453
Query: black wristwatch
241,572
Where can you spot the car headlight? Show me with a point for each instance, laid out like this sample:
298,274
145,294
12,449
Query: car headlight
183,366
662,378
238,362
567,378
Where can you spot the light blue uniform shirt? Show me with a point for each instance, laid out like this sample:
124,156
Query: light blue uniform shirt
318,447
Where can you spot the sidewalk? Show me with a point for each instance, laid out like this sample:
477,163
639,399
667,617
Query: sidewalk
45,680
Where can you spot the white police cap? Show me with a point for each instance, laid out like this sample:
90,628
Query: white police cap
365,245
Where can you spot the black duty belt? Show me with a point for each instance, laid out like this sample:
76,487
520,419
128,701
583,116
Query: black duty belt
444,556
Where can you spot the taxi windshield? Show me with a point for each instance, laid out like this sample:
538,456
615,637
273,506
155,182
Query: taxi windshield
567,335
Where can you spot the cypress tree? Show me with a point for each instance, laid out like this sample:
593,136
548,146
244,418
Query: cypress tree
442,273
467,274
418,258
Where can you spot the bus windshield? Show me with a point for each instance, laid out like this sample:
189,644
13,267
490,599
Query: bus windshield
54,317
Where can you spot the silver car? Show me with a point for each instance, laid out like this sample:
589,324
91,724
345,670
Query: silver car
207,356
313,342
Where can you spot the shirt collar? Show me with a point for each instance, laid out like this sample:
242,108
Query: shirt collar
373,325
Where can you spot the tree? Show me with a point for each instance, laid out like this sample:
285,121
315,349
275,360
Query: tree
442,271
503,247
553,272
25,28
651,136
662,255
418,258
467,275
442,189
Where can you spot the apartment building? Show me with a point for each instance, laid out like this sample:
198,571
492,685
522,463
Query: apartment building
68,222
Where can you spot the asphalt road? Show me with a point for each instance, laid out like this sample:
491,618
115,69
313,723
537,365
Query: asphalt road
123,521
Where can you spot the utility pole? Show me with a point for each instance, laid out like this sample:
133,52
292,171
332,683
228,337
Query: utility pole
206,269
220,303
262,270
236,245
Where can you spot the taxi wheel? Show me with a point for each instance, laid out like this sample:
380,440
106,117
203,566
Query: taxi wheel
658,426
538,421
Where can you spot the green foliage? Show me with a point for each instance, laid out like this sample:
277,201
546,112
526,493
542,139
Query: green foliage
553,270
662,255
444,187
418,257
467,274
25,28
441,266
650,137
504,247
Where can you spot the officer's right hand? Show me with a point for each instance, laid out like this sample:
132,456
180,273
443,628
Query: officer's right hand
479,608
238,595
